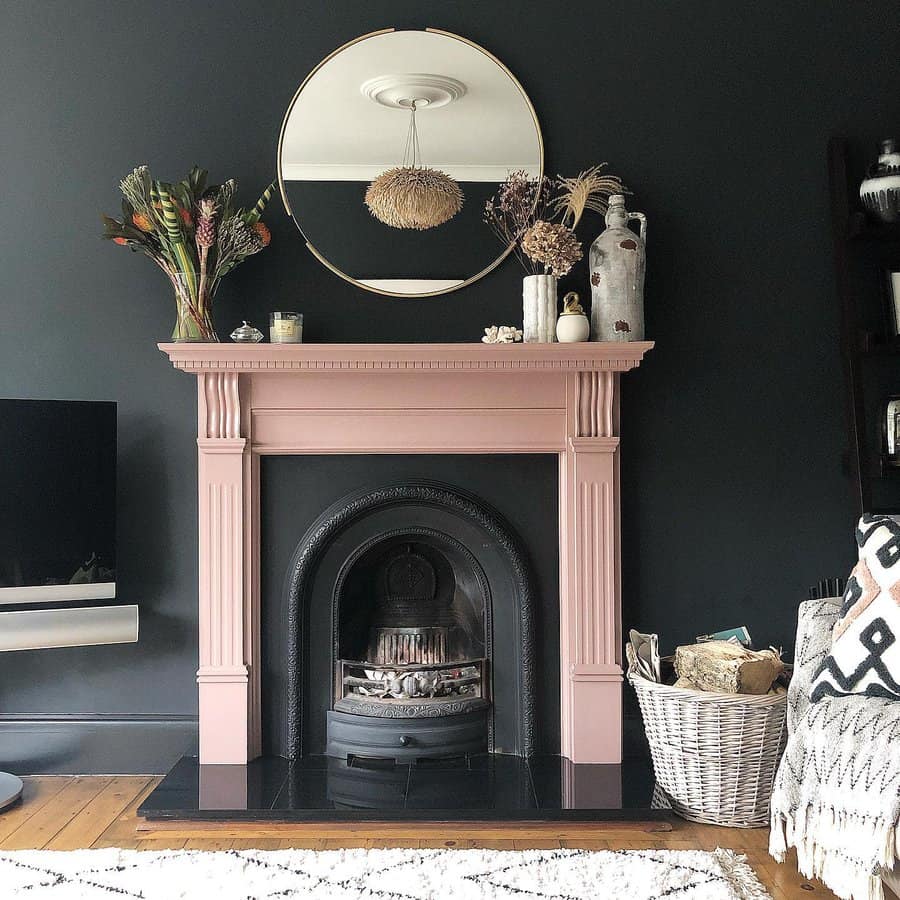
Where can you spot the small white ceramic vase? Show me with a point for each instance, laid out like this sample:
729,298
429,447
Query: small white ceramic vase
572,328
539,308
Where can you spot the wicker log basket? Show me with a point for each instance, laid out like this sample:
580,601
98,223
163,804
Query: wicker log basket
714,755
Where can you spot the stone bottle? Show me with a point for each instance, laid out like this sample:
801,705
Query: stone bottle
617,264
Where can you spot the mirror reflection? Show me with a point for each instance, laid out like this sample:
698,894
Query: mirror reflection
389,151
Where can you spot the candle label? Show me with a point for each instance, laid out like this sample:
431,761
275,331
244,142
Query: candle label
284,328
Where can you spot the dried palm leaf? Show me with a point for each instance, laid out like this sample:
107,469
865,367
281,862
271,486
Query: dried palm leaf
588,190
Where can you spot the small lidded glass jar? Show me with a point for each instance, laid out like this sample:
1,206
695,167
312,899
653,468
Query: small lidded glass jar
286,328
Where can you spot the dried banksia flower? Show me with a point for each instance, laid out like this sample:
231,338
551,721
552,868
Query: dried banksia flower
142,221
554,246
414,197
246,240
263,233
206,222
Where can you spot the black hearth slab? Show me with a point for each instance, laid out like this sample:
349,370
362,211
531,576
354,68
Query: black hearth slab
559,783
486,788
339,784
215,788
482,782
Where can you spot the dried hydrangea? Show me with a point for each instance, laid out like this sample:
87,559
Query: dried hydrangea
554,246
520,200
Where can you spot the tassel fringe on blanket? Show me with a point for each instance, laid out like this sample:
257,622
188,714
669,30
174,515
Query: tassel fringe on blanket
848,853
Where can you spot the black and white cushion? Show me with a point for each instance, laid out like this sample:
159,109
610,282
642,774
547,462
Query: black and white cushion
865,649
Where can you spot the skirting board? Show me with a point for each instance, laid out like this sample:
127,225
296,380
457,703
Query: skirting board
95,745
135,745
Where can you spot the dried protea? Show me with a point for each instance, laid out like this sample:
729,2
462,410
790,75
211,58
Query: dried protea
553,246
263,233
142,222
136,188
206,222
414,197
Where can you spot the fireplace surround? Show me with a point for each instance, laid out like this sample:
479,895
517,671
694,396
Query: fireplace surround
408,398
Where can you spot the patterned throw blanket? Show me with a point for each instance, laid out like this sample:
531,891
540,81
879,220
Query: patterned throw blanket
837,792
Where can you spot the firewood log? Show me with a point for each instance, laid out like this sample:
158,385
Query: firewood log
727,668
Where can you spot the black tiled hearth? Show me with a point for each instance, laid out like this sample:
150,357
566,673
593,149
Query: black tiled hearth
487,787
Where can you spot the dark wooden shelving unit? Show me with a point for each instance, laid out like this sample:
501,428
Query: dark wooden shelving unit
863,249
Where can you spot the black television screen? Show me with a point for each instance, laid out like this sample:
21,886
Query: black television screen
57,500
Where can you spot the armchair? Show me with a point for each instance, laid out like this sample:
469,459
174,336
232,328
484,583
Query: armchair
837,791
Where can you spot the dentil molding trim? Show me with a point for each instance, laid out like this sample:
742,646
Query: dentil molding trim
583,357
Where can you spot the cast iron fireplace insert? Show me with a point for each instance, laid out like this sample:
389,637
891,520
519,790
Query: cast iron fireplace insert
411,627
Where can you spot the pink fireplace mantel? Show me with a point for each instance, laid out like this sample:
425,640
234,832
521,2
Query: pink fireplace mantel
409,398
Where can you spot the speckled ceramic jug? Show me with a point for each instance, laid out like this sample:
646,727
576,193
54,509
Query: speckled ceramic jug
617,263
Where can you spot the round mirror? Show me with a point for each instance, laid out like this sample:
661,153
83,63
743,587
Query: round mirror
388,152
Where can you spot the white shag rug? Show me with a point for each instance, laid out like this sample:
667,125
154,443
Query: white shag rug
378,875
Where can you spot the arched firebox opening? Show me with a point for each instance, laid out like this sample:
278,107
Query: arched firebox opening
431,608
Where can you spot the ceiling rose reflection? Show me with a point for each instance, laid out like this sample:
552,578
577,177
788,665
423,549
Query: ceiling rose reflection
411,195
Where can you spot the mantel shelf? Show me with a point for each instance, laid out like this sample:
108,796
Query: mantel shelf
485,358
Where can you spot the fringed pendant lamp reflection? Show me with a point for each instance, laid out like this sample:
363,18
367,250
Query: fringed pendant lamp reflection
412,195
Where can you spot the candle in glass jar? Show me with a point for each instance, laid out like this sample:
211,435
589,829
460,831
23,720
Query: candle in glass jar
286,328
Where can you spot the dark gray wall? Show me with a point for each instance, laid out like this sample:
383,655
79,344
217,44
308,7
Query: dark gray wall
716,114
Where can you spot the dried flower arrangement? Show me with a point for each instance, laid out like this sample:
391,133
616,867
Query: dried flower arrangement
194,233
523,210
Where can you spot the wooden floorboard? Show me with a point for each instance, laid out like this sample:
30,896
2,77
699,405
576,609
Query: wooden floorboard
67,813
83,829
122,831
36,793
39,829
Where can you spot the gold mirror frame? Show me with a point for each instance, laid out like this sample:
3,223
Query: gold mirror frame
284,198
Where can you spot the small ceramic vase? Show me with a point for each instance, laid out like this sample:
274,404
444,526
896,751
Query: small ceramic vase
880,192
539,308
573,325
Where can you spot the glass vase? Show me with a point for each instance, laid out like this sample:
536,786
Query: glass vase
193,309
